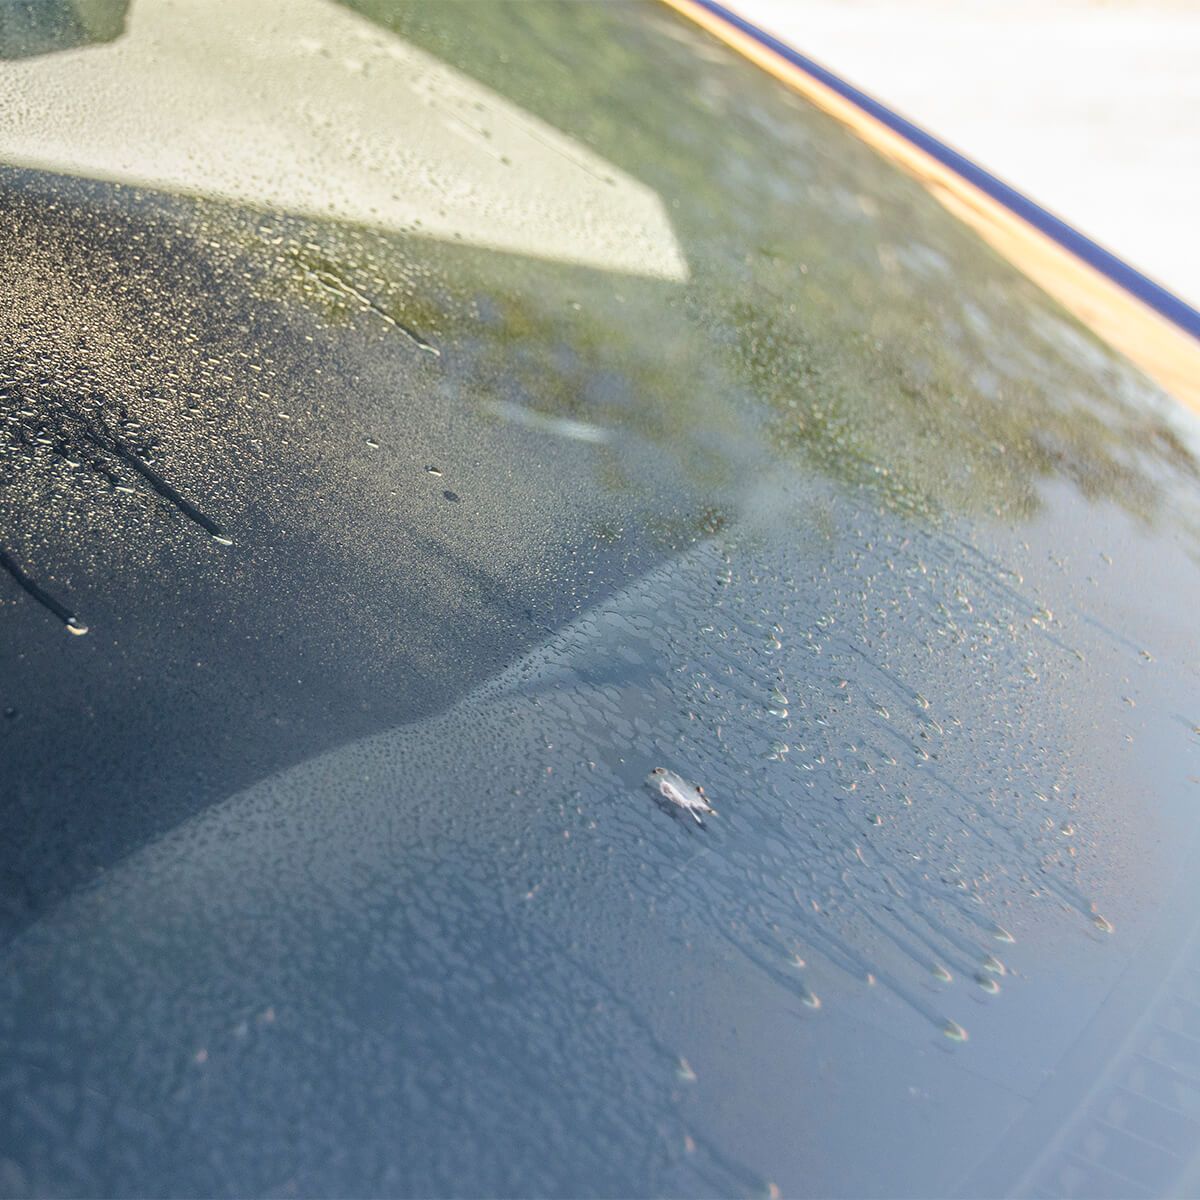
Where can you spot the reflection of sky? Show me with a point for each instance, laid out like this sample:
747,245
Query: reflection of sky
304,106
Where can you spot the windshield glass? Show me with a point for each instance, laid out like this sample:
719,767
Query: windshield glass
456,434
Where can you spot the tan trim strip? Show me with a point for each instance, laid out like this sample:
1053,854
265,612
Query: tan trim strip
1166,353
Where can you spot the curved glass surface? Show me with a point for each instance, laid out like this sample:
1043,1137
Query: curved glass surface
422,422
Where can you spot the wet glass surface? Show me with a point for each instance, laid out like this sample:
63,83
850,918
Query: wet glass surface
402,541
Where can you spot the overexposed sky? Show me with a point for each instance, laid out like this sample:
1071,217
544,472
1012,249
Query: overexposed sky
1090,107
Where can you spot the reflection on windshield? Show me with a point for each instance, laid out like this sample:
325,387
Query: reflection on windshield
1159,346
303,106
405,559
831,289
32,27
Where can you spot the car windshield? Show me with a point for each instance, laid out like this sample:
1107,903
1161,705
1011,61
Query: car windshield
438,440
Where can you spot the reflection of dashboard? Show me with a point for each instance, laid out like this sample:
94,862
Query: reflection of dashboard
303,106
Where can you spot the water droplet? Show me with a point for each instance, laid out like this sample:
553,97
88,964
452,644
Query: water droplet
76,626
676,790
1066,829
940,973
1102,923
1002,935
988,984
809,999
222,539
779,751
433,470
372,443
954,1031
994,965
684,1072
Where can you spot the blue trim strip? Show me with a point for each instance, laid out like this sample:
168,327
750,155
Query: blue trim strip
1121,273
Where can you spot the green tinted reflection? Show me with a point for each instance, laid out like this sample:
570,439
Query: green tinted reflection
831,300
29,27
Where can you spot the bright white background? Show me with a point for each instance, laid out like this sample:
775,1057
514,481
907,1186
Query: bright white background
1091,107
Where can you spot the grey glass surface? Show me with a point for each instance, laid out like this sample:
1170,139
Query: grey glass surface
405,554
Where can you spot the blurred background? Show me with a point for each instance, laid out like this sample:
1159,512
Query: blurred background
1090,107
